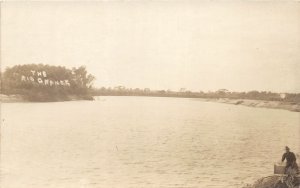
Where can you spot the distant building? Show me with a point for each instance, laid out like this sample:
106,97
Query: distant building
119,88
147,90
182,90
282,95
222,91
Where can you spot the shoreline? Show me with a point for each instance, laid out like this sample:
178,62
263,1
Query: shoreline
294,107
22,99
272,181
12,98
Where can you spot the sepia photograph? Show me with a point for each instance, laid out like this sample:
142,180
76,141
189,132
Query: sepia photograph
150,94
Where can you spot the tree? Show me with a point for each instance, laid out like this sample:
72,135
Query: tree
39,82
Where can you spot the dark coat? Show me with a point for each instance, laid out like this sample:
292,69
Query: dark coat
290,157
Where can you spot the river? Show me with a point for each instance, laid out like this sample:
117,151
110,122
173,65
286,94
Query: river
141,142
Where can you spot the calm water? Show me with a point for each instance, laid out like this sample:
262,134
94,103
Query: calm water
141,142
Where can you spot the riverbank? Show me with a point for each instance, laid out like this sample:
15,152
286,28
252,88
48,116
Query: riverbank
295,107
12,98
20,98
274,181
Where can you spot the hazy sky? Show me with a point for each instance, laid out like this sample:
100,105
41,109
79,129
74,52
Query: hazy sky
161,45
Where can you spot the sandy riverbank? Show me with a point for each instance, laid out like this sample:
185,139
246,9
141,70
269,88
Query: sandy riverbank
295,107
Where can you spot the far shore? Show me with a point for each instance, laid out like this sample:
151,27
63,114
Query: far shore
22,99
295,107
12,98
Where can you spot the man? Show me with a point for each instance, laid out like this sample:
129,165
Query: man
290,159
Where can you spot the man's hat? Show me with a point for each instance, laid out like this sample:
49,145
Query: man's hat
287,148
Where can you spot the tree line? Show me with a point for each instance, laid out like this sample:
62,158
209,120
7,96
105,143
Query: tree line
39,82
222,93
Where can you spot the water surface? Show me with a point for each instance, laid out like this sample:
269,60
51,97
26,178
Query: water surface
141,142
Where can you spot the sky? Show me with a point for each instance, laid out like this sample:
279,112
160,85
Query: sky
197,45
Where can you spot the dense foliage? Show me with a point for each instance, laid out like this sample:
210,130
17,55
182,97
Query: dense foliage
39,82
